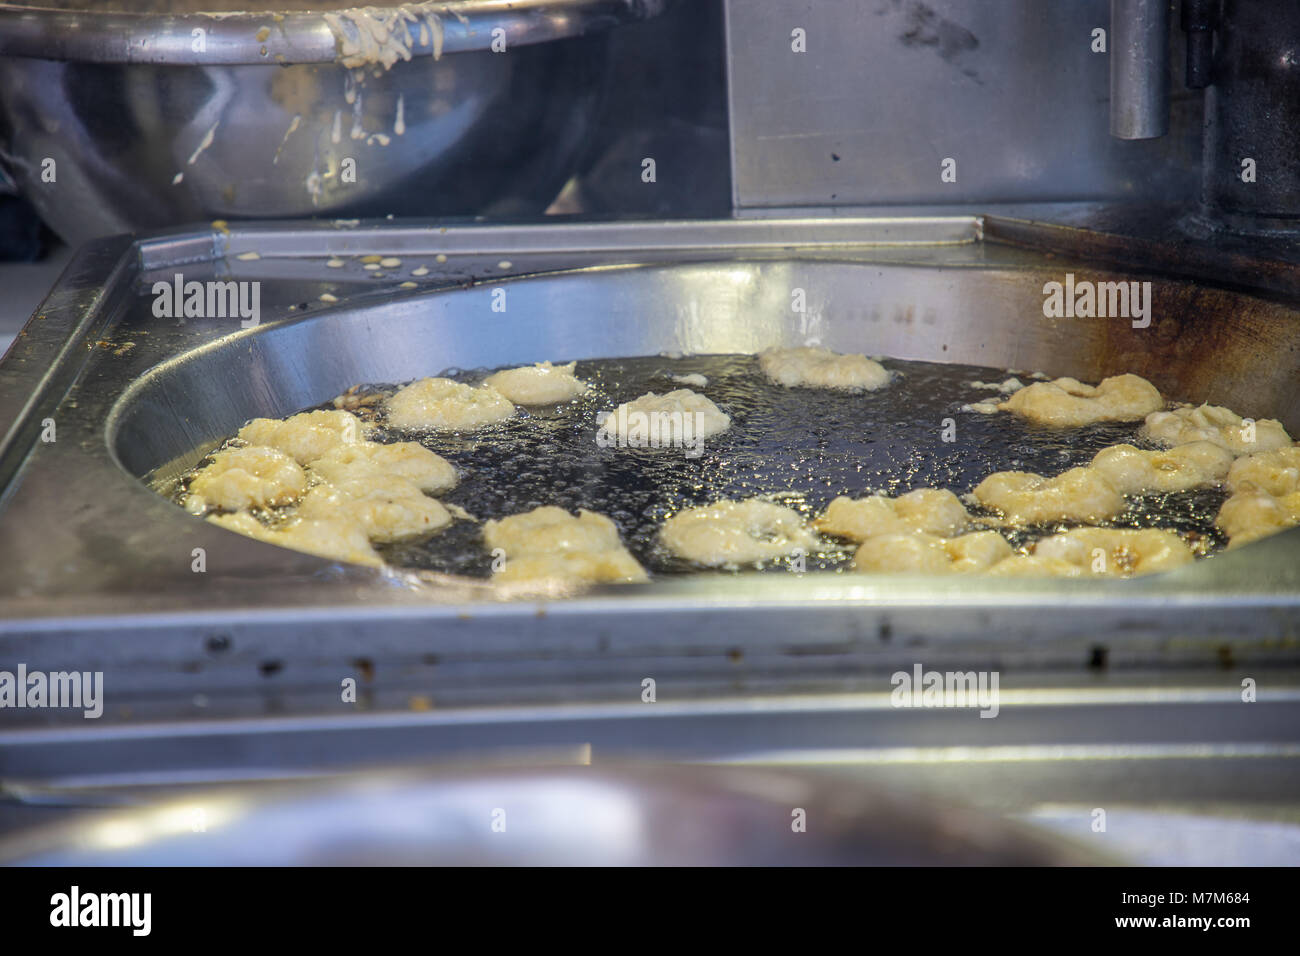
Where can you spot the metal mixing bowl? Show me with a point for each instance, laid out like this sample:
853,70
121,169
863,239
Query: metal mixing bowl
117,122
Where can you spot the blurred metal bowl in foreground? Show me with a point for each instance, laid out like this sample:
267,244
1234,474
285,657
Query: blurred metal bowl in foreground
673,815
120,122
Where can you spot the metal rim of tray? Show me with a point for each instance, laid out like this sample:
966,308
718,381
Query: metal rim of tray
275,39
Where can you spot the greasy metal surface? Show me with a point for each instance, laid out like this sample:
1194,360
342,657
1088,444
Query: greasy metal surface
1011,90
106,578
49,354
1253,114
1172,238
990,316
103,146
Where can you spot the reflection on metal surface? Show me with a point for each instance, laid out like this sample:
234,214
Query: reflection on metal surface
1174,836
162,823
1139,68
1045,752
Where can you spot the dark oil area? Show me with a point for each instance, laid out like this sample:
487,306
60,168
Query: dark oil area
801,446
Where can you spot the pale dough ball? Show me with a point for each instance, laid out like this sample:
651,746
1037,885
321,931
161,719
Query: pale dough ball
1133,471
1023,498
1253,513
695,380
977,551
1117,552
932,510
672,420
387,509
1069,403
329,538
548,543
1276,471
305,436
821,368
611,566
540,384
1006,387
326,538
733,533
1035,566
1266,496
930,554
1213,423
429,472
549,528
251,477
903,552
440,404
241,522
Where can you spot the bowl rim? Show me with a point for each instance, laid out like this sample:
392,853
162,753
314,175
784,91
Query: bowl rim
271,38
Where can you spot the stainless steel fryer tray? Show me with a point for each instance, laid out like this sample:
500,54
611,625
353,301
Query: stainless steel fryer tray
99,570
